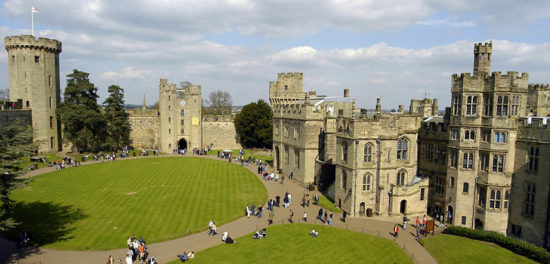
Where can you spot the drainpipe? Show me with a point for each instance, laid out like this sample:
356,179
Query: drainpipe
378,158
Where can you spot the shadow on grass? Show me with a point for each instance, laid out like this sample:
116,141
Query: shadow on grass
46,223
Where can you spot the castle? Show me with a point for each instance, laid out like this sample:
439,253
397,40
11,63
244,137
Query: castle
480,165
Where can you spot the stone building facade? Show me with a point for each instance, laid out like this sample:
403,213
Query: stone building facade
179,123
33,66
481,165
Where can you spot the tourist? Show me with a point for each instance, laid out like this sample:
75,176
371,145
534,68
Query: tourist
291,215
314,233
289,199
129,259
424,221
191,255
285,200
417,221
325,217
247,211
278,200
316,199
253,209
227,239
330,219
305,217
291,175
264,233
257,235
110,260
270,220
396,230
344,216
405,220
183,257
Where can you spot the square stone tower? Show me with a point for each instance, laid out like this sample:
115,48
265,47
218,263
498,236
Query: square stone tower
34,79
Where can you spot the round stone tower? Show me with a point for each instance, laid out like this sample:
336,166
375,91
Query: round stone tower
34,79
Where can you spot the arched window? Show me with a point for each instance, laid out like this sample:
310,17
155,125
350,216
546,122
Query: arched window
402,148
366,182
368,153
401,177
344,151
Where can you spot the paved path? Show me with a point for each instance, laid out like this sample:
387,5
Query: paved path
166,251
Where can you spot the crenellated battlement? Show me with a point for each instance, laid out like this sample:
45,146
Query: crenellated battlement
290,75
539,86
483,47
30,42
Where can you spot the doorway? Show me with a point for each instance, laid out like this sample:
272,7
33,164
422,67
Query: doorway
362,209
277,158
182,144
403,207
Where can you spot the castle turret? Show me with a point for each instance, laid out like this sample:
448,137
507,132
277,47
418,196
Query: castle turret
378,105
482,57
33,66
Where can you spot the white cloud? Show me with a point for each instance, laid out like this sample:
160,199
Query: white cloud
127,73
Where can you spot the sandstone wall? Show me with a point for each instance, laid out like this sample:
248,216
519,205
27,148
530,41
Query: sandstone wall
145,129
220,133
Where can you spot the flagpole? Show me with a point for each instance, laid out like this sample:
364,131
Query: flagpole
32,22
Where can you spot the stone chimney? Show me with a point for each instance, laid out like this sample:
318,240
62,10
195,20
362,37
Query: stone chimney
378,106
435,108
346,92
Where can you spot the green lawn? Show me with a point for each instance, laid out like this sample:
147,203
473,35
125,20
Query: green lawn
327,204
291,243
455,249
99,206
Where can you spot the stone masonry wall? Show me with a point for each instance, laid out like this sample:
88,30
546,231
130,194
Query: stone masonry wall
145,129
221,134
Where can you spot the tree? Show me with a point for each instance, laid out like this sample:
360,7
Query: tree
118,126
4,95
84,124
254,125
15,143
219,102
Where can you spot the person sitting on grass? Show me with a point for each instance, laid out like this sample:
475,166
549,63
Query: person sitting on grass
314,233
183,257
257,235
227,239
264,232
191,255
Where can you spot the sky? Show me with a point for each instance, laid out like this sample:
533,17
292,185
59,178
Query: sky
396,50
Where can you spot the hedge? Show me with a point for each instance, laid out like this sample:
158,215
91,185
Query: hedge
517,246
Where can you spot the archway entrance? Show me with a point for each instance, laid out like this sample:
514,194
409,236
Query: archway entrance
277,158
478,224
450,214
403,207
182,144
362,209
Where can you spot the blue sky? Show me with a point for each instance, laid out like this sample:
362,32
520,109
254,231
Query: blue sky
396,50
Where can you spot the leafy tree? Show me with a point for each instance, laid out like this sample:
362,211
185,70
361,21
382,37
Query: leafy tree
118,126
254,125
219,102
15,143
84,124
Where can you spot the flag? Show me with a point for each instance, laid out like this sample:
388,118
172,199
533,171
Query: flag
35,10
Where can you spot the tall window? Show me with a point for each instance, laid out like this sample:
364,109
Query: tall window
182,112
494,199
529,206
344,151
439,186
453,156
500,137
484,158
468,160
51,121
515,105
485,135
422,192
502,105
469,135
344,180
286,155
465,187
182,122
471,105
50,102
506,199
454,134
401,177
297,158
498,163
488,105
457,105
534,159
367,182
367,156
402,148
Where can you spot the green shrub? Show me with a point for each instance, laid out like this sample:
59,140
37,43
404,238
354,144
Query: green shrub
520,247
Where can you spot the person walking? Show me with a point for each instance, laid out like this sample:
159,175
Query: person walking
305,216
344,216
405,220
396,230
291,215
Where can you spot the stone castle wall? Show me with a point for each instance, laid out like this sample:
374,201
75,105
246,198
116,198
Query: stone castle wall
144,129
221,134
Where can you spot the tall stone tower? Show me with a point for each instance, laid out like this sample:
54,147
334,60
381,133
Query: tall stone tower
482,57
180,117
34,79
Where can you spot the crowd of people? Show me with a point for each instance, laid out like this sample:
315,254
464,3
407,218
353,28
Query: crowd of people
137,250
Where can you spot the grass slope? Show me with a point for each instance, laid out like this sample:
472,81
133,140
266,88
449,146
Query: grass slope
291,243
455,249
99,206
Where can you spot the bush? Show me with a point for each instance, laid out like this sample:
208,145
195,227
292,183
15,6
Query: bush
520,247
